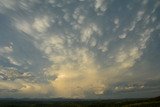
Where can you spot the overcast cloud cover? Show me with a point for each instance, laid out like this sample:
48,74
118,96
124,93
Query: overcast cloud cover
79,48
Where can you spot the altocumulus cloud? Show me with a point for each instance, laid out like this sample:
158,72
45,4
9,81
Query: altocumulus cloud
78,48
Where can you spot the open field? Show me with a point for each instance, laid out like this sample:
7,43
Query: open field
152,102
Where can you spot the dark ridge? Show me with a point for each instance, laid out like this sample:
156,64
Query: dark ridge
63,102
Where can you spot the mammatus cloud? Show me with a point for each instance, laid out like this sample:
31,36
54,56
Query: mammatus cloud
5,50
88,45
41,24
10,73
100,5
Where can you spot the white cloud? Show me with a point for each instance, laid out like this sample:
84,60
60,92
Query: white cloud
52,44
127,57
14,5
23,26
27,5
132,26
123,36
100,5
87,32
121,57
8,4
35,28
103,47
6,50
93,42
66,17
145,36
129,87
154,18
78,16
13,61
140,15
41,24
81,19
116,22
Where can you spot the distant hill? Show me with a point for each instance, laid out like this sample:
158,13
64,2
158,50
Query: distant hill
157,98
61,102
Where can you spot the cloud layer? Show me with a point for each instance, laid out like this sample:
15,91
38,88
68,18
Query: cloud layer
77,48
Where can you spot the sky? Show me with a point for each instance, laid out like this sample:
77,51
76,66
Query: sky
79,48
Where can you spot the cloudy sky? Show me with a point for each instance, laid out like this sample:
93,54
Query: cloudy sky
79,48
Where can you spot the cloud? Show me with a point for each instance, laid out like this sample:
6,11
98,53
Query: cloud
6,50
15,83
33,27
127,58
8,90
8,85
41,24
14,5
133,86
132,26
34,89
123,36
103,47
88,31
116,22
73,49
10,73
100,5
23,89
67,16
83,73
13,61
7,4
129,88
93,42
140,15
78,63
54,48
145,36
78,16
23,26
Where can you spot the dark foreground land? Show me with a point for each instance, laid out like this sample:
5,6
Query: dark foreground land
150,102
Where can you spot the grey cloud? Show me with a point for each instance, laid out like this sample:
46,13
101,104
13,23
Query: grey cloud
146,86
8,90
10,73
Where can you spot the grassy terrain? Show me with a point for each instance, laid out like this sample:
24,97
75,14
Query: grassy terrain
153,102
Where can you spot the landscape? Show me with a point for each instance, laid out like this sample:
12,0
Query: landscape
143,102
79,53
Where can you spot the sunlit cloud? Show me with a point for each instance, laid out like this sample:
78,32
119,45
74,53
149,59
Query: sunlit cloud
77,49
